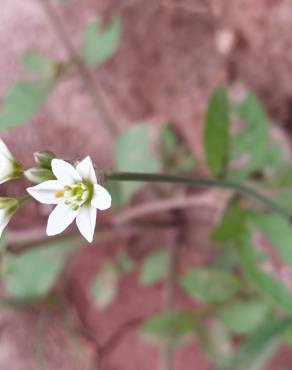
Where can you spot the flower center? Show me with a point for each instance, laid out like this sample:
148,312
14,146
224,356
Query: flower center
76,195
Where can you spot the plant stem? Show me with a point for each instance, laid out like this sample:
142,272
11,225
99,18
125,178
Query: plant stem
23,199
169,295
84,73
202,182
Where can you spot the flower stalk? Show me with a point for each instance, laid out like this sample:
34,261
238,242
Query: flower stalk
202,182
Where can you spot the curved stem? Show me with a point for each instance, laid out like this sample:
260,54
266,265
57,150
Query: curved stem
23,199
201,182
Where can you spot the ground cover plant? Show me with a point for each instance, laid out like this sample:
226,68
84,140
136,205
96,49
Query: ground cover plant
236,305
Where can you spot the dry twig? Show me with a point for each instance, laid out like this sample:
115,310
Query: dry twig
84,73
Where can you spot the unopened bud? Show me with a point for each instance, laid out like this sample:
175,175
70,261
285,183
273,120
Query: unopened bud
38,175
44,158
7,208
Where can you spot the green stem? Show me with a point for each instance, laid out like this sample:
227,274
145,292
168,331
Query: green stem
23,199
201,182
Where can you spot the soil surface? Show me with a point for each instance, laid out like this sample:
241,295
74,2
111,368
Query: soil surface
172,53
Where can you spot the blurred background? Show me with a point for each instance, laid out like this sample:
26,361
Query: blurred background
130,300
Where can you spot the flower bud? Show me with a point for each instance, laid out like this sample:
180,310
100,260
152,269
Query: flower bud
38,175
44,158
8,207
10,168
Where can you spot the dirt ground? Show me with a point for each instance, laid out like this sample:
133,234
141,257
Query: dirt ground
173,52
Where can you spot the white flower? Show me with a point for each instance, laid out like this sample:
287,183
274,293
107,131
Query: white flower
77,195
7,208
9,167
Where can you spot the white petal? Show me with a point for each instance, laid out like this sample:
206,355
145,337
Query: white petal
86,170
65,172
86,220
4,150
61,217
101,198
45,192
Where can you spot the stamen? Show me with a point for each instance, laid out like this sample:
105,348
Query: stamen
59,194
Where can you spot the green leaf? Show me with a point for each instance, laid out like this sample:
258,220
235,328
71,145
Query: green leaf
252,145
277,230
262,280
216,132
100,45
168,141
132,153
283,176
284,199
245,316
32,274
104,286
172,326
232,224
215,340
209,285
256,346
22,102
36,62
124,263
155,267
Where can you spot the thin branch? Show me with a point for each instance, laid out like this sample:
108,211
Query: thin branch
209,199
169,290
84,74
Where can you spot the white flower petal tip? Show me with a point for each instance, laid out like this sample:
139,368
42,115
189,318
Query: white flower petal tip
85,169
86,220
10,168
60,218
65,172
101,199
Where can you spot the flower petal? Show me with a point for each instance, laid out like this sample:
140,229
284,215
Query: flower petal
86,170
65,172
4,150
101,198
60,218
86,220
45,192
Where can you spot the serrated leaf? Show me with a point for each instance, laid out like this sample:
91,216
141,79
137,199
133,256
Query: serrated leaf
245,316
22,102
36,62
154,268
99,45
216,132
132,153
172,326
209,285
232,224
31,275
104,286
